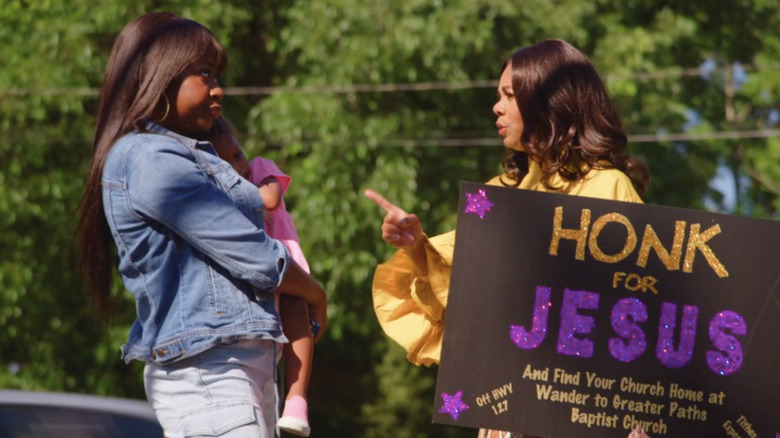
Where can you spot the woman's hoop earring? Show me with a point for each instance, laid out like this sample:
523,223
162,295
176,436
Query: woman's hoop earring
167,109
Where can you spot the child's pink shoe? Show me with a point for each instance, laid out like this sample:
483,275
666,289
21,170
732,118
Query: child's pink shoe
295,418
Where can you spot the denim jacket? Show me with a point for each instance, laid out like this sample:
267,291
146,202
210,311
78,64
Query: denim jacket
191,245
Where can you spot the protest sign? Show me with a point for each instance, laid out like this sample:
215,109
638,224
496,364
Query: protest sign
572,316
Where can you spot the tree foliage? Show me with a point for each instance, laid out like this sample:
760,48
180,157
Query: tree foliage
342,117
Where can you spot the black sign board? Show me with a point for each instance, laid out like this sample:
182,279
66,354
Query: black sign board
572,316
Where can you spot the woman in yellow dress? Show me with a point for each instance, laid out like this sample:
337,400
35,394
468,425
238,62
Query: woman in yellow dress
561,134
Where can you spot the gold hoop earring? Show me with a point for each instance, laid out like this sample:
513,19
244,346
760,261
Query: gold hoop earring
167,110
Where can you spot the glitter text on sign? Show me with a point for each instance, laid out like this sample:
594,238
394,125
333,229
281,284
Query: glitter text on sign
587,236
630,343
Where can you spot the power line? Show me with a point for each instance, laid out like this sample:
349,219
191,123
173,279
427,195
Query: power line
693,136
429,86
636,138
362,88
496,141
389,88
49,92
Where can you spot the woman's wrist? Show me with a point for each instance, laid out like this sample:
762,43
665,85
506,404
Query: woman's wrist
417,253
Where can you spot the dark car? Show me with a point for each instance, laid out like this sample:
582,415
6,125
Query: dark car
29,414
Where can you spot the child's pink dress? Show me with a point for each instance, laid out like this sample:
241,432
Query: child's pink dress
278,223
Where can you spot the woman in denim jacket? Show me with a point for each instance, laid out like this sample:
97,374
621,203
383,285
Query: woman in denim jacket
188,233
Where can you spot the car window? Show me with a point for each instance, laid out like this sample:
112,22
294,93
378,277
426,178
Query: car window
57,422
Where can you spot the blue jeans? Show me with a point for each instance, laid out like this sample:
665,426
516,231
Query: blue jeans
227,391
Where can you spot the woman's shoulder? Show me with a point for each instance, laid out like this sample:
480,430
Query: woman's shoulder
607,174
149,142
609,183
497,180
147,151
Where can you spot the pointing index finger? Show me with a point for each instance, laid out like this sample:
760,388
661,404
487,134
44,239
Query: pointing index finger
381,201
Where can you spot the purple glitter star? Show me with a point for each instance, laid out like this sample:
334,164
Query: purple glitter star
453,404
478,203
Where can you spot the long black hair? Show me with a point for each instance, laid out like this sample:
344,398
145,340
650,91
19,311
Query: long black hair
143,73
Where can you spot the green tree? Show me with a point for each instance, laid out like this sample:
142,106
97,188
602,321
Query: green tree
347,95
50,334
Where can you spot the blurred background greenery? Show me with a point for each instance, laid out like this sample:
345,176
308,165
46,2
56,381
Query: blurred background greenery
347,95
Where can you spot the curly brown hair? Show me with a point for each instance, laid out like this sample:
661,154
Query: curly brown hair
569,123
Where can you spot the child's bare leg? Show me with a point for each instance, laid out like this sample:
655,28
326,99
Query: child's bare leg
298,354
